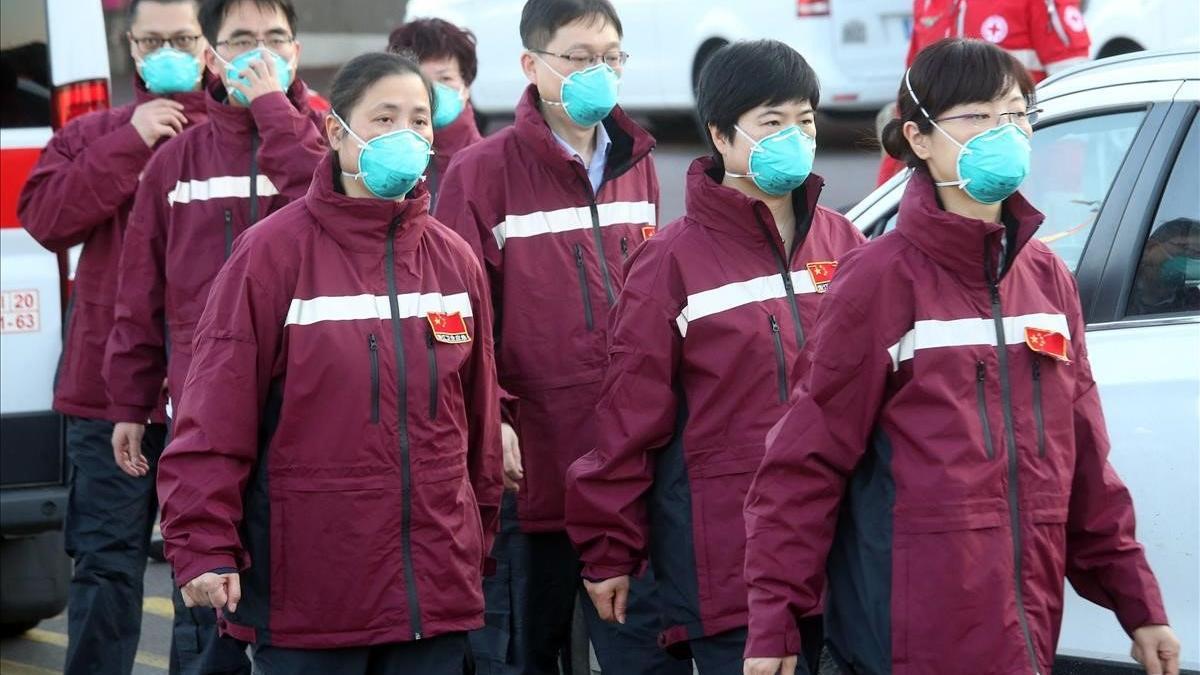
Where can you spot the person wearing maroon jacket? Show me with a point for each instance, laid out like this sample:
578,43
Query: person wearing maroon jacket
334,482
553,206
944,462
707,337
447,57
81,192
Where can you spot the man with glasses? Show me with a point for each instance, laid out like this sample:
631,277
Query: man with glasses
256,154
554,206
81,192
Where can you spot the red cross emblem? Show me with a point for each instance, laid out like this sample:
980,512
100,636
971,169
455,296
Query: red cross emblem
449,328
994,29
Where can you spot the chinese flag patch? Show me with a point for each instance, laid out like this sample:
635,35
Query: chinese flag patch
1049,342
822,273
448,328
648,231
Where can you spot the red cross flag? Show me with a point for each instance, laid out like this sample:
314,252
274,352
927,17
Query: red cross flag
1049,342
448,328
822,273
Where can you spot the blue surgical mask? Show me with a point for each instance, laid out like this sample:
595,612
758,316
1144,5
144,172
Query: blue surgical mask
389,165
1180,271
169,71
448,104
588,95
283,69
780,162
991,164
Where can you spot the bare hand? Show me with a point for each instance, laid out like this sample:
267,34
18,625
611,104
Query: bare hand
213,590
260,77
513,471
760,666
127,448
1157,649
610,597
158,119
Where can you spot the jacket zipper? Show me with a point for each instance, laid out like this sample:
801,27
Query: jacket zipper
780,363
583,285
599,238
410,581
373,346
433,375
1014,496
786,272
253,176
228,232
981,397
624,248
1038,415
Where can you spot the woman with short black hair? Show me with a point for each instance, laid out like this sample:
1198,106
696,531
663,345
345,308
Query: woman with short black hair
334,481
708,337
945,460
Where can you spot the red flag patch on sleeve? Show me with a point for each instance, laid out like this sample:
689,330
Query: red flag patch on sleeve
448,328
822,273
1049,342
648,231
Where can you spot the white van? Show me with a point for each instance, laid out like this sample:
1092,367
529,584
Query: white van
856,47
53,68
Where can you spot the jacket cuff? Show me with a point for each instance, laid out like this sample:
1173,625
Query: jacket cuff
127,146
267,106
200,565
132,414
598,573
1145,615
773,645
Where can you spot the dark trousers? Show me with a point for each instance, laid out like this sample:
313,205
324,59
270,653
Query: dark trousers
531,603
442,655
722,654
109,519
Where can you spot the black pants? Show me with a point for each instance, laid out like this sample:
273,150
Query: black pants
109,519
442,655
722,654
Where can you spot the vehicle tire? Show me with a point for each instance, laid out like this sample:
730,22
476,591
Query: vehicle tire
1117,47
35,574
11,630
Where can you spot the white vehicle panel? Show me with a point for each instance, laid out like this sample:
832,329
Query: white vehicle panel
79,51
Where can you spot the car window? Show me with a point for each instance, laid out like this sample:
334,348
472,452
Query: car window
1073,165
24,66
1168,274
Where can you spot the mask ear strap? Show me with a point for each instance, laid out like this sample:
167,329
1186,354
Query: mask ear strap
908,85
345,126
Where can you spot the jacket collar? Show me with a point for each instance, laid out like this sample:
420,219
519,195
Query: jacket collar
194,102
630,142
363,224
967,247
233,124
727,210
458,134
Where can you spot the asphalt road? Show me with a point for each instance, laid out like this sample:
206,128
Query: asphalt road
843,159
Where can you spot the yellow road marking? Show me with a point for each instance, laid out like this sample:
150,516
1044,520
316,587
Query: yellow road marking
13,668
158,606
48,637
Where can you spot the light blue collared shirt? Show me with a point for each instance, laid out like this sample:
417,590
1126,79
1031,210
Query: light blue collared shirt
595,170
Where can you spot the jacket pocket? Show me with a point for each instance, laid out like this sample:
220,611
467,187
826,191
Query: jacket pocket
583,287
780,363
1039,418
228,232
981,401
373,348
433,373
624,248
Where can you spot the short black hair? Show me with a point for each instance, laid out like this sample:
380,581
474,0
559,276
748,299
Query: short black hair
947,73
364,70
213,13
541,19
744,75
437,39
131,10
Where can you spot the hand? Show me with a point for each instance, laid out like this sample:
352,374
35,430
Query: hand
158,119
261,79
213,590
760,666
127,448
1157,649
513,471
610,597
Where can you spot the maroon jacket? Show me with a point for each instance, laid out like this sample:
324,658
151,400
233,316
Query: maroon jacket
940,464
447,142
332,446
203,189
705,345
553,251
81,192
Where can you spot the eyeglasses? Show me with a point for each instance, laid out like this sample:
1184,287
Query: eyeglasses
580,59
987,120
184,43
245,43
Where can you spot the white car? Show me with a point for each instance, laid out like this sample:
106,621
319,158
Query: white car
857,48
1116,170
1124,26
54,63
